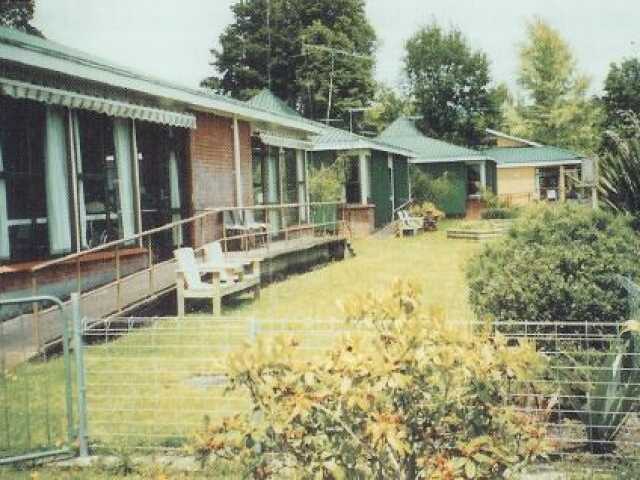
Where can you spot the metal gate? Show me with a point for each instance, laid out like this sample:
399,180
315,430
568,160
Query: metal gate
36,388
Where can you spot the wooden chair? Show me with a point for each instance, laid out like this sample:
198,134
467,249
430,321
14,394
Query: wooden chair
261,228
233,226
189,282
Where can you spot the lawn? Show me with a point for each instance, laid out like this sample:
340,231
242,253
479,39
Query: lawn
154,387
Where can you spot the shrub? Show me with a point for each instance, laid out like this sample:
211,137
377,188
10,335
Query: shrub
557,263
499,213
426,188
326,184
407,395
425,209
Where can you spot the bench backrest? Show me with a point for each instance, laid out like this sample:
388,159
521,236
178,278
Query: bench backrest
188,266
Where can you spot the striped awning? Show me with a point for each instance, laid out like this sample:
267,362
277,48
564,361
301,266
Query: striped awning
286,142
114,108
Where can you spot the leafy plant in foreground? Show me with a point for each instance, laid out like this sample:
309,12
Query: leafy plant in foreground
406,395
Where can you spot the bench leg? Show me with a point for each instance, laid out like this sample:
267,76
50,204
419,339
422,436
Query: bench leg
180,302
217,305
256,293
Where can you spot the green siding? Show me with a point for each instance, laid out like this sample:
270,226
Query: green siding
456,203
492,176
381,188
400,180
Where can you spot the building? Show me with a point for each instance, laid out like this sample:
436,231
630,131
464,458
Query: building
529,171
377,179
95,156
470,172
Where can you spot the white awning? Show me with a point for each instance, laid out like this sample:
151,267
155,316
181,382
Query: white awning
285,142
114,108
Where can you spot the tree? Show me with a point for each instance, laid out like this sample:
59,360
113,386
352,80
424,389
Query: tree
620,168
555,108
622,93
388,105
292,47
451,85
18,14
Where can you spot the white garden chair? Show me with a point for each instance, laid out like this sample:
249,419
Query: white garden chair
409,223
230,269
189,283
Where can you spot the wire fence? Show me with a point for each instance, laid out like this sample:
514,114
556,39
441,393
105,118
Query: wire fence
152,383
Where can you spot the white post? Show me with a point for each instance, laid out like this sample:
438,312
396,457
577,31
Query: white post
483,175
364,179
392,180
136,179
236,161
301,180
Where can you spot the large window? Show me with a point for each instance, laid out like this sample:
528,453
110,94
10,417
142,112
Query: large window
99,177
22,170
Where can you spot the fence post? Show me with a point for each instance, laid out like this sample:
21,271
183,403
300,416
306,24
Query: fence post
79,354
254,329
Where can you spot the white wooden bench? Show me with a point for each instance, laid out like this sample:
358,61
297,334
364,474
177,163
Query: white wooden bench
227,277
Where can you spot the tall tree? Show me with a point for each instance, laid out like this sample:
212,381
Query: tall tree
388,104
555,107
450,82
622,94
315,54
18,14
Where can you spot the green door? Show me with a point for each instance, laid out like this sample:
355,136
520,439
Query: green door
400,181
381,188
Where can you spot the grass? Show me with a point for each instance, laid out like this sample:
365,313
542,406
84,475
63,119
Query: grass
146,389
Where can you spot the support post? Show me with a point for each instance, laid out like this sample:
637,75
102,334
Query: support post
80,375
562,184
237,163
364,178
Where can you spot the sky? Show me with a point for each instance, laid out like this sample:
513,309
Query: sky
171,38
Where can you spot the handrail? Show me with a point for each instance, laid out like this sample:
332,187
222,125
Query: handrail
402,207
206,213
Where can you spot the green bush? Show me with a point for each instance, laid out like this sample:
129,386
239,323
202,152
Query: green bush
426,188
557,263
499,213
326,184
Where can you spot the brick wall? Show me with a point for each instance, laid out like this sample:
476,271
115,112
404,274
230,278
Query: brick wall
211,171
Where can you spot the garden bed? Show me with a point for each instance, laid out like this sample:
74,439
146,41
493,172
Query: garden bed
479,230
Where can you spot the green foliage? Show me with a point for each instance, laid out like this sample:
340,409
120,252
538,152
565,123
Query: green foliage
557,263
406,395
619,170
326,182
425,188
622,93
253,56
556,109
451,85
426,209
496,208
499,213
614,391
18,14
388,105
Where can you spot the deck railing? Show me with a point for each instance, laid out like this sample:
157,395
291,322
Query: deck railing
117,276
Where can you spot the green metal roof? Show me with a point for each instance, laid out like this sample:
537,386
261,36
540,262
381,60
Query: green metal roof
514,156
267,100
327,137
404,133
38,53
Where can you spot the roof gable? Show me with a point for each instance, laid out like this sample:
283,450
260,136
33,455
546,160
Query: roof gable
404,133
267,100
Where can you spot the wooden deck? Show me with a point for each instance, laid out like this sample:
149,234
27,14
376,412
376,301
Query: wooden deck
23,337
